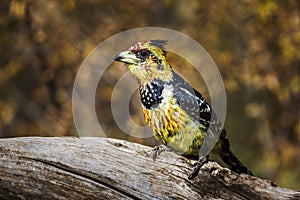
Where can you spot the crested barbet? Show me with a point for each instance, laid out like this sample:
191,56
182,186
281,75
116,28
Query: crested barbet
179,116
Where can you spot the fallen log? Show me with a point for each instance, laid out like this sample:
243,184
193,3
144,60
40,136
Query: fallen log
103,168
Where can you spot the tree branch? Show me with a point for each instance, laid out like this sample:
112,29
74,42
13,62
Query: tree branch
102,168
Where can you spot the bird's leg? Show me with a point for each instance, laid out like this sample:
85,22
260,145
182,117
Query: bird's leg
197,166
158,150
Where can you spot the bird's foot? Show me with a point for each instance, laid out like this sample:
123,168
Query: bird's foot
157,150
197,166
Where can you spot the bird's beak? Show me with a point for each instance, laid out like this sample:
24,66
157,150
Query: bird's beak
127,57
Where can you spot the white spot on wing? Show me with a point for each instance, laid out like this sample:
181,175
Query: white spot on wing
192,95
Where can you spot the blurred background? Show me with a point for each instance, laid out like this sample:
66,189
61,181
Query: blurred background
255,44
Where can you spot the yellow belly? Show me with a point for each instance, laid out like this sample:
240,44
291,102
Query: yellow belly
173,127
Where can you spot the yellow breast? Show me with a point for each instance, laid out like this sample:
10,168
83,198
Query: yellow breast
165,121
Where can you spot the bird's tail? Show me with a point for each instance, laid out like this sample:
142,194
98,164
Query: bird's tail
234,163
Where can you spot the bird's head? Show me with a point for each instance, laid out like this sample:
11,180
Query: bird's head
147,61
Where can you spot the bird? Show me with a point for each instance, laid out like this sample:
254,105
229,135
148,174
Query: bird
179,116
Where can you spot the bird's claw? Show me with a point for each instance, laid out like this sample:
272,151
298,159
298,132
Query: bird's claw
197,166
157,150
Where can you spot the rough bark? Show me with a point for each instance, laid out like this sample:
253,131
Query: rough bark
102,168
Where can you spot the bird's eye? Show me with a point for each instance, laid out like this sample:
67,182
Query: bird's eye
143,54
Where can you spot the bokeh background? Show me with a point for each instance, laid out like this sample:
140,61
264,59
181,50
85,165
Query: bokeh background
255,44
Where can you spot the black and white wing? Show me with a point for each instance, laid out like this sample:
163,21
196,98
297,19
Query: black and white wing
191,101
